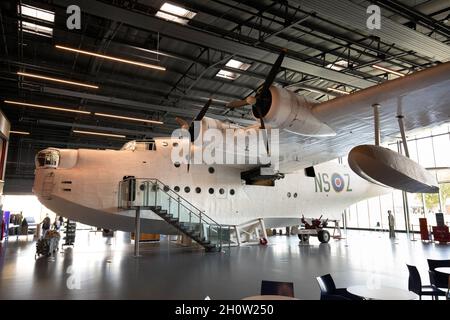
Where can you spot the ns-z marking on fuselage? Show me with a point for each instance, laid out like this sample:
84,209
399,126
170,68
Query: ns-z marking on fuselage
337,182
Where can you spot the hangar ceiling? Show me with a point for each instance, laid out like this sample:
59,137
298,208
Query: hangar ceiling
330,50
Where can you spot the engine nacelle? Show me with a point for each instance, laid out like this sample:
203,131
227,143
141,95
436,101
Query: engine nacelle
291,112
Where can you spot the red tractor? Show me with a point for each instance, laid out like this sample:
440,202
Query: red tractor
314,228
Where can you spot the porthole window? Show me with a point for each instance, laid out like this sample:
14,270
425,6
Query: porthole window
175,144
166,188
176,164
211,190
187,189
288,194
198,190
232,192
211,170
221,191
176,188
165,144
142,187
295,195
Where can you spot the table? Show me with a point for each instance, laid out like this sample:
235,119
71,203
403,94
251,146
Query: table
269,297
382,293
443,270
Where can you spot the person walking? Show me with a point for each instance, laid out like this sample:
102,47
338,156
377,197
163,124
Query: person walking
391,221
46,223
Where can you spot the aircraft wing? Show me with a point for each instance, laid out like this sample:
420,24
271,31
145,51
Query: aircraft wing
423,98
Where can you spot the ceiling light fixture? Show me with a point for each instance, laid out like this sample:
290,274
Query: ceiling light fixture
127,118
56,80
44,107
136,63
388,70
99,134
338,91
19,132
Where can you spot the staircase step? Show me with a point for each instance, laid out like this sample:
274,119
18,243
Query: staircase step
173,221
194,234
211,248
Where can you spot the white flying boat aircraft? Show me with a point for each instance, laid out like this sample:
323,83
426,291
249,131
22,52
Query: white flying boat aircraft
209,202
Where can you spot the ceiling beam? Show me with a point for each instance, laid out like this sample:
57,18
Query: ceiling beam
184,33
101,128
348,13
138,104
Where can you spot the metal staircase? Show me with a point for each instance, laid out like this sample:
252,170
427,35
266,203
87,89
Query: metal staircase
152,194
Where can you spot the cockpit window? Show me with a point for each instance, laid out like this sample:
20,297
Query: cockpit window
47,159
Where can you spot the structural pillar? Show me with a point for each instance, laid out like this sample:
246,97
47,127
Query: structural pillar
137,232
402,132
404,196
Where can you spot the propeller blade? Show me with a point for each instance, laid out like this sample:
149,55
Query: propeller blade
242,103
237,104
273,72
199,117
202,113
183,123
262,127
258,114
189,157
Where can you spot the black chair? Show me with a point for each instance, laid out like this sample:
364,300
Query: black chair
415,284
277,288
437,292
441,279
328,290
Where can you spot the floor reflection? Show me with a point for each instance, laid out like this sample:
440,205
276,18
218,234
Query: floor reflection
105,268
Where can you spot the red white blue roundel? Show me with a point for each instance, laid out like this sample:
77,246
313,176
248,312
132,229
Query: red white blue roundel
337,182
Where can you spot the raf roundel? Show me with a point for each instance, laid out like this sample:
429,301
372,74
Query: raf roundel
337,182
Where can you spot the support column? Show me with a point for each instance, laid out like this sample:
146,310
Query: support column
137,232
402,132
405,199
406,211
238,235
263,227
376,120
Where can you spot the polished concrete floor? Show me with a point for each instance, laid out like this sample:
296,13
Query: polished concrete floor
102,268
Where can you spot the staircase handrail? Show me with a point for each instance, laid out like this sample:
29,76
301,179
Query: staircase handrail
181,197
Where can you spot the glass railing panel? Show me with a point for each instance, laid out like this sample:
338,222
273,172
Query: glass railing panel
152,192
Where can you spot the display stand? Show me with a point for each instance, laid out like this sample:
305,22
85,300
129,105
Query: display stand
70,228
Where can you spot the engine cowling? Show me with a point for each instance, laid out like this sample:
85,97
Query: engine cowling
291,112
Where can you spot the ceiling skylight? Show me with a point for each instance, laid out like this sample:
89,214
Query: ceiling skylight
235,64
227,75
338,65
36,29
175,13
37,15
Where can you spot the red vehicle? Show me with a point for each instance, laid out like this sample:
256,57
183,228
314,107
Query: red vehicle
314,228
